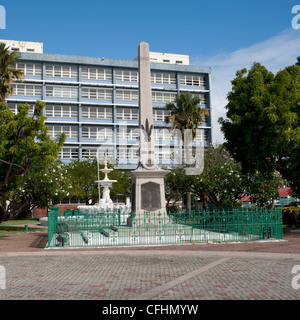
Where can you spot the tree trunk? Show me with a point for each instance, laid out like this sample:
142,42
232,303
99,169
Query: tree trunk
188,201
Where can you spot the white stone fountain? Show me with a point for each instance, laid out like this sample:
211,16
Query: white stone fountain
105,204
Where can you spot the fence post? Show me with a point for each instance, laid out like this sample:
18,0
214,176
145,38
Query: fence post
52,224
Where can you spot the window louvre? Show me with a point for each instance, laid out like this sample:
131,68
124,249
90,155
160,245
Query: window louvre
192,80
97,133
127,75
57,111
27,90
163,97
96,74
97,112
30,69
127,95
127,114
163,78
61,92
58,71
68,153
69,131
96,94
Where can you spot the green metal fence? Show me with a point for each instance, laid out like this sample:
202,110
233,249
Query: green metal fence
113,229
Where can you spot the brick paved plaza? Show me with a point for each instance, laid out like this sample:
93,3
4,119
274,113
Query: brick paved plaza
240,271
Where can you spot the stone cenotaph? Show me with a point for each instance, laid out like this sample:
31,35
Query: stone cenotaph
148,188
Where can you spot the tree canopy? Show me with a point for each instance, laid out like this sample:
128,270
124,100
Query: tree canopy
262,128
24,146
185,113
8,71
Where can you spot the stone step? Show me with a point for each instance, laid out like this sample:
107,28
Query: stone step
108,232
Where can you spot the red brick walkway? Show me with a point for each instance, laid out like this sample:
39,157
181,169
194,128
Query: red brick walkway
36,242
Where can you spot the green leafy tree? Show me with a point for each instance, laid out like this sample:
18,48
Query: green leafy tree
8,71
39,187
122,188
262,128
221,181
177,185
186,113
83,175
261,191
24,146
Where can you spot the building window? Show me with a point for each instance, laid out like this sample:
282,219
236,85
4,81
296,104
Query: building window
163,135
202,135
58,71
68,153
203,98
27,90
97,112
163,78
128,133
89,153
97,133
127,114
127,75
160,115
30,69
56,111
96,94
69,131
192,80
61,92
163,154
163,97
96,74
131,153
127,95
14,108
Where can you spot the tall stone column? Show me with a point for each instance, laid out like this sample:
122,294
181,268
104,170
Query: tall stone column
148,179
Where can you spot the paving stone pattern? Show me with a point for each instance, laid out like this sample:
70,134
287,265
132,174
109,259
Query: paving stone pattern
150,275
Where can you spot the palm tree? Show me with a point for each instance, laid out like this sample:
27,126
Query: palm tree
185,113
8,71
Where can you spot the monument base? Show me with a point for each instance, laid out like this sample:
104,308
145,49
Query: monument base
148,196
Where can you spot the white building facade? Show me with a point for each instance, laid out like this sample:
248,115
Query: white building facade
95,101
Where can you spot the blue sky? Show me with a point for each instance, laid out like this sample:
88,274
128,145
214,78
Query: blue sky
226,35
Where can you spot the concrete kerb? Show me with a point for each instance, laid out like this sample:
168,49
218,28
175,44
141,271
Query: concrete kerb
221,254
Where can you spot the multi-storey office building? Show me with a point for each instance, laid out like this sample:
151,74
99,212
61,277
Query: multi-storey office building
95,101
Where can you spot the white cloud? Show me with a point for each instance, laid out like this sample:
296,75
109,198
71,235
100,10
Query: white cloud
275,53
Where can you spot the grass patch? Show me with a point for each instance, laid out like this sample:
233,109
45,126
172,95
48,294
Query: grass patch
19,221
11,226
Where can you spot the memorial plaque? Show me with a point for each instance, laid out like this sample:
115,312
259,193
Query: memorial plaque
151,200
